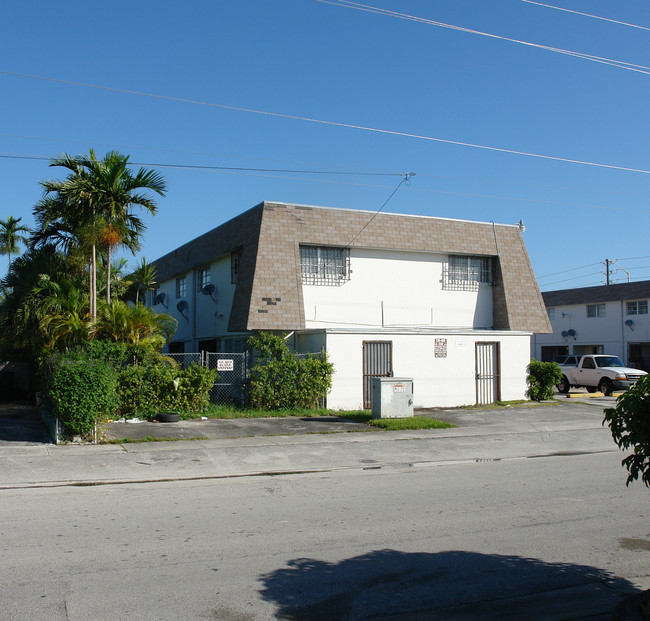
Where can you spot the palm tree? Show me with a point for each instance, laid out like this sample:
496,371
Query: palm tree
145,277
93,206
116,191
10,236
137,324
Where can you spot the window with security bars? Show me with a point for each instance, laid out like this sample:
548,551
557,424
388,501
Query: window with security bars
322,265
467,273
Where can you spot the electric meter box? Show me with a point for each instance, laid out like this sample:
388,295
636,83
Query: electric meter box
392,397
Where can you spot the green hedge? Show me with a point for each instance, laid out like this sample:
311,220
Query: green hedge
542,378
142,384
83,393
282,380
145,390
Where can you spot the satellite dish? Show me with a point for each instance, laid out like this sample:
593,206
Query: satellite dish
182,306
160,299
209,289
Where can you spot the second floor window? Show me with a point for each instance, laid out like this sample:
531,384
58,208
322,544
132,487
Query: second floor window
235,263
204,277
595,310
322,265
466,273
639,307
181,287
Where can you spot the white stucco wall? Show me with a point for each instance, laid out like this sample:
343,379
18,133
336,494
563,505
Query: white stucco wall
609,331
396,289
437,382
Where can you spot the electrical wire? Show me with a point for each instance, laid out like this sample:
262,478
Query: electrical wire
336,123
573,269
352,170
605,19
620,64
223,168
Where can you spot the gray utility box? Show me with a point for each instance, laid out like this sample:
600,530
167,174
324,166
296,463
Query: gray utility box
392,397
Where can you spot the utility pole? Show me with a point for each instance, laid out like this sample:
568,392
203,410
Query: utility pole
607,263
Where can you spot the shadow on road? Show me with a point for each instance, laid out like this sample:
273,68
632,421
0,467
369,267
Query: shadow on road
20,423
386,584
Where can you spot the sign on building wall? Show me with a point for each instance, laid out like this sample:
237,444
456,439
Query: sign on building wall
440,348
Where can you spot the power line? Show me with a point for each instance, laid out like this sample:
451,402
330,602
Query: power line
605,19
334,123
223,168
599,59
256,172
573,269
574,278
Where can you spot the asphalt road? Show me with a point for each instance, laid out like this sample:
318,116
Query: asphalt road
516,514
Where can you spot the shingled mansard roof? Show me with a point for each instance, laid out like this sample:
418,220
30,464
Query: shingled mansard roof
602,293
269,289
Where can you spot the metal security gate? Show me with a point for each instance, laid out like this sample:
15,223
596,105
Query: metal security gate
233,369
230,386
377,362
488,381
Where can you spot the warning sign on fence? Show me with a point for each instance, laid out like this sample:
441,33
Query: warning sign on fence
225,364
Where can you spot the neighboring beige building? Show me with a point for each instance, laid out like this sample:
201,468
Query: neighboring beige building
450,303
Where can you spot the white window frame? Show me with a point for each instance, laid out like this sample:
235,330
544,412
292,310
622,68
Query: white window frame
324,265
637,307
464,272
204,277
235,266
181,286
596,310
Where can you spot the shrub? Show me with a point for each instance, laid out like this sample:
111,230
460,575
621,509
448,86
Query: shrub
82,393
146,390
629,423
542,377
282,380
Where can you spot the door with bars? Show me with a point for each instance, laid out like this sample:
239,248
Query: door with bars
488,380
377,362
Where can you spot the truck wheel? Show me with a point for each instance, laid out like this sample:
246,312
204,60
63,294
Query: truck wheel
591,388
563,386
606,387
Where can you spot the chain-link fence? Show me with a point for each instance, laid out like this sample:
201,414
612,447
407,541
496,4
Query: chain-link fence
185,360
232,370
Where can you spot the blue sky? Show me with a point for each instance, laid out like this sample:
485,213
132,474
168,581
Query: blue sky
334,63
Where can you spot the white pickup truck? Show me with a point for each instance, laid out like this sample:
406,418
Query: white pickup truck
597,372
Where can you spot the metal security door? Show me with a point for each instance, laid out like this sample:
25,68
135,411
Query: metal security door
377,362
488,384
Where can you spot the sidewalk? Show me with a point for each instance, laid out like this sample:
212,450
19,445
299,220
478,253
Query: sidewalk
278,446
247,447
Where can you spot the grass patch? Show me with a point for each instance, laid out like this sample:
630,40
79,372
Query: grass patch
506,404
230,411
414,422
395,424
151,439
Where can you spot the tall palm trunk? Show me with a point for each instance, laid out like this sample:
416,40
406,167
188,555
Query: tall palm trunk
108,275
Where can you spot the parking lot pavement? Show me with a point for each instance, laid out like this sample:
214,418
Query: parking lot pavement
20,424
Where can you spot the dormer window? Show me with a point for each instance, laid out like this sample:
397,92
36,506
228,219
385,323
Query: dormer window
323,265
466,272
